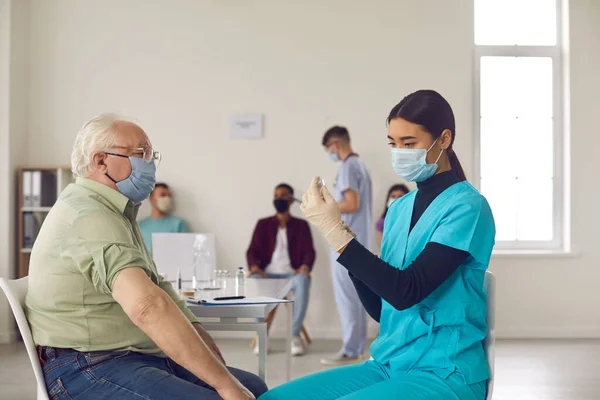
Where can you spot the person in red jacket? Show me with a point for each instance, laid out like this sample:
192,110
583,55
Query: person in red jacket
282,248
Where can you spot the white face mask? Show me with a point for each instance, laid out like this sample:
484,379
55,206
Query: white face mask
390,201
164,204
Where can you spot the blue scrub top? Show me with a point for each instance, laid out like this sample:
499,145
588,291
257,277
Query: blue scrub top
354,175
168,224
444,333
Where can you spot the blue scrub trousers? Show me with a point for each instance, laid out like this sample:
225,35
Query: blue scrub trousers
372,381
352,313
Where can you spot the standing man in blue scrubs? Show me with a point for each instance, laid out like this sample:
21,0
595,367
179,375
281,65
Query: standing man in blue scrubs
353,194
161,220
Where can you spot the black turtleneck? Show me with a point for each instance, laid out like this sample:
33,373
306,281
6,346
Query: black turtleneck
374,279
429,190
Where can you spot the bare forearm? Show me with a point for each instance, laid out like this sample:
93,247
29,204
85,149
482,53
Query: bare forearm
351,202
166,325
346,207
209,341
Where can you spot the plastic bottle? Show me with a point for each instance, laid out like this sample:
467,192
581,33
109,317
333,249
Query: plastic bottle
201,269
240,282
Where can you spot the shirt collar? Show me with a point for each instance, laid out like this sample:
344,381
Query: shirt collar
440,182
111,196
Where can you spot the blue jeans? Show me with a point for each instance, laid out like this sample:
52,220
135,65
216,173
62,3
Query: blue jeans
129,375
301,289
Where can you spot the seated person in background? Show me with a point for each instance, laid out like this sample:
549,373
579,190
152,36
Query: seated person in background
107,326
395,192
159,220
282,247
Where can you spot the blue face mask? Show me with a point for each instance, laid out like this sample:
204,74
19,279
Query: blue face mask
140,183
411,164
333,156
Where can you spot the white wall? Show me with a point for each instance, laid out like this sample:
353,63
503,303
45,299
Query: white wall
558,297
182,67
6,260
14,79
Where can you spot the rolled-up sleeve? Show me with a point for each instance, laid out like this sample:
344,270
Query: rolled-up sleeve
100,245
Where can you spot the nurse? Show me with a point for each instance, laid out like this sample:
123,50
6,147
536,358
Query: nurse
427,289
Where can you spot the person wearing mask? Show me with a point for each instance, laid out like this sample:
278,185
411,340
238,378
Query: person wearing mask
106,324
427,289
282,248
353,194
160,219
395,192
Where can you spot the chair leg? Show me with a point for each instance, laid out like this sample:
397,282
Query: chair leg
270,318
305,336
269,321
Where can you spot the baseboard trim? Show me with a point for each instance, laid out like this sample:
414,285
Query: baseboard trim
517,333
315,333
550,332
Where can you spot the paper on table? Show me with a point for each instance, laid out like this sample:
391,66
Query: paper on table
237,302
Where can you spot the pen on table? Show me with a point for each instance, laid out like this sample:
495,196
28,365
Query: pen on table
229,298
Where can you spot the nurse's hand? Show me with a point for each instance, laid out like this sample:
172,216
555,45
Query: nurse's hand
321,210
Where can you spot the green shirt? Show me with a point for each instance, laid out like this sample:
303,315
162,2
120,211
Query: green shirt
88,237
168,224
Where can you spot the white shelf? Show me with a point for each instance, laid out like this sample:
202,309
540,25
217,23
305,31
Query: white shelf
27,250
35,209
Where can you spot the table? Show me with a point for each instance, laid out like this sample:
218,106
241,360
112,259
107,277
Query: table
229,318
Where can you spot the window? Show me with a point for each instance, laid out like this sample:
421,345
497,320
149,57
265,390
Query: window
518,109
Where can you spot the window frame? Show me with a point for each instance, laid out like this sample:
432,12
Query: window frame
555,52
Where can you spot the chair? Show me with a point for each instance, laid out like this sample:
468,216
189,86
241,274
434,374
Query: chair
15,291
269,320
489,286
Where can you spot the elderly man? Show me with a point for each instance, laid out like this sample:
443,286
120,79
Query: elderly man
106,325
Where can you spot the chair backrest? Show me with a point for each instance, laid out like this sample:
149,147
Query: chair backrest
175,251
15,291
489,286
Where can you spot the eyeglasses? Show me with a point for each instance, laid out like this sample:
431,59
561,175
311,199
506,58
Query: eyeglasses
148,154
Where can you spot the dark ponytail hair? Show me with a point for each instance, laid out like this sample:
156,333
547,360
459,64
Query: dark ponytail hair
430,110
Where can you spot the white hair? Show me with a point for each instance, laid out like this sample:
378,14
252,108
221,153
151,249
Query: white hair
97,134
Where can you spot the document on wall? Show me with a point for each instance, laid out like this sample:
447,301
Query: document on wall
246,126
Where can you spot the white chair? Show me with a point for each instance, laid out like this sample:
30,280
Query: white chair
15,291
489,286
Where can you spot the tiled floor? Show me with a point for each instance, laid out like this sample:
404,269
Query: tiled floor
525,370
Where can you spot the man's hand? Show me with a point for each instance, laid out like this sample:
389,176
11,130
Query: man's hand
236,391
304,270
256,270
209,341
